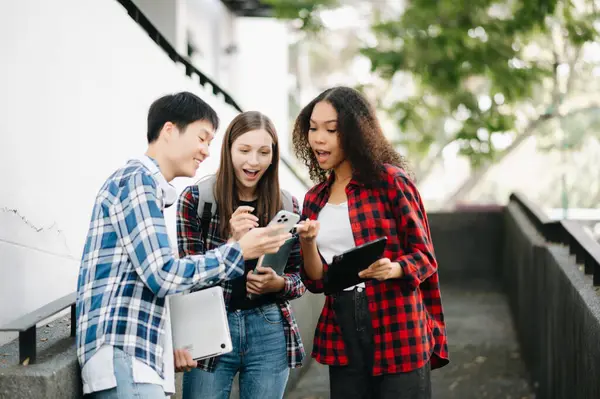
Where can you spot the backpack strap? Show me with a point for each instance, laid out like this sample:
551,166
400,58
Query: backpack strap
207,205
205,221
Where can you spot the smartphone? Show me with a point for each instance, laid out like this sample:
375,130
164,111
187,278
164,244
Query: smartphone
277,261
286,219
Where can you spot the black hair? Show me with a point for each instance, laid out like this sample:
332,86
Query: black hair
181,109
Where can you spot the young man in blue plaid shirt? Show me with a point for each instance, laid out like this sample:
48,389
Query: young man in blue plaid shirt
128,267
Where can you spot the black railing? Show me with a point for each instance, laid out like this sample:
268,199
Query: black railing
249,8
138,16
26,326
567,232
162,42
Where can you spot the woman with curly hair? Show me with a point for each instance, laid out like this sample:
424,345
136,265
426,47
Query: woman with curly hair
381,337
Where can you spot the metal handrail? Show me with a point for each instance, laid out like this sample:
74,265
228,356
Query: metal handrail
567,232
27,325
138,16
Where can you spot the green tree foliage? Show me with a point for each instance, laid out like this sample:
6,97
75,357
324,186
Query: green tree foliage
472,69
304,11
469,61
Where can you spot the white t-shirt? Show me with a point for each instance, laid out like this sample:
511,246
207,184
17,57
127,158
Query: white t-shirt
335,234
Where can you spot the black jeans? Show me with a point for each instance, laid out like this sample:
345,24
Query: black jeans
355,381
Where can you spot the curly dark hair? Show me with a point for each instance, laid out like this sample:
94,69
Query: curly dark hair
361,138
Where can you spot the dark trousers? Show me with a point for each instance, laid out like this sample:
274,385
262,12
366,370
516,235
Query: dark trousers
355,381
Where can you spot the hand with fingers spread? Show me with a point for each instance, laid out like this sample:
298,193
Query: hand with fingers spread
183,360
264,281
308,230
263,240
242,220
382,269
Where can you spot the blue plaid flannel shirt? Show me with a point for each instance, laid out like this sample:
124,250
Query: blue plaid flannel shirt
128,267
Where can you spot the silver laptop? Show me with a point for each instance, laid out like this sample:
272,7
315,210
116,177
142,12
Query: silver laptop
199,323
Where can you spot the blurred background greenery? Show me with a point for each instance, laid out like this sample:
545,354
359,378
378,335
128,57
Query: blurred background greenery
465,87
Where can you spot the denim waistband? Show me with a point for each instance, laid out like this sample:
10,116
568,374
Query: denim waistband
255,310
356,292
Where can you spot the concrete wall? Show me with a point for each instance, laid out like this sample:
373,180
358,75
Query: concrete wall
55,375
555,307
468,244
556,310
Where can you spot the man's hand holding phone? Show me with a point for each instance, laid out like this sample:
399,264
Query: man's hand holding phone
263,240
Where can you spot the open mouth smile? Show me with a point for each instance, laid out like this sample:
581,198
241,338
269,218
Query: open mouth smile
322,156
251,173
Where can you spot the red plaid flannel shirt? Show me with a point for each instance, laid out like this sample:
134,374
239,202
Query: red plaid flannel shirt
407,315
190,242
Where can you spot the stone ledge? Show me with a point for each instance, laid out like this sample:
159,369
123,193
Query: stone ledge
55,374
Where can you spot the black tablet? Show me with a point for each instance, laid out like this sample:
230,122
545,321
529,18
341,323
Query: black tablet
344,268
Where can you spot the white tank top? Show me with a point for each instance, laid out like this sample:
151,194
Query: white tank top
335,234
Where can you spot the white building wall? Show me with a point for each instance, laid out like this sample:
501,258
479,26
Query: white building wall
261,75
210,26
247,56
205,24
169,17
76,82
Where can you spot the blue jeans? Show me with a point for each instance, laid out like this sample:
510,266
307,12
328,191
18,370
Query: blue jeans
259,355
126,388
